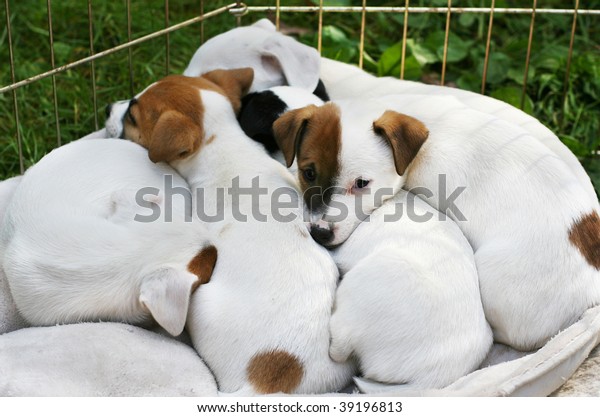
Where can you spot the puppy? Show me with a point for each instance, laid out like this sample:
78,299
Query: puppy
534,228
80,242
261,324
260,110
408,307
282,60
99,359
10,319
249,46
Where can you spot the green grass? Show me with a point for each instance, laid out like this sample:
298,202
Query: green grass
575,117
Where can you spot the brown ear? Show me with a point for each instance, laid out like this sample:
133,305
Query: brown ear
405,135
235,83
288,130
175,136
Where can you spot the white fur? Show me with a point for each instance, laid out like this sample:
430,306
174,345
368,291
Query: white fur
520,203
408,307
345,81
10,319
243,47
273,287
99,359
73,250
113,126
281,59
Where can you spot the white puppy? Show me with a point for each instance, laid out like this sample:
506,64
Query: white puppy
99,359
10,319
281,59
534,228
408,307
261,324
245,47
87,236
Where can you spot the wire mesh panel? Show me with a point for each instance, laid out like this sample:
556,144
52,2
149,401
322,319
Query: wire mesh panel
61,62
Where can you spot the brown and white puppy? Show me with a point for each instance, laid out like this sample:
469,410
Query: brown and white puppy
76,243
533,226
261,324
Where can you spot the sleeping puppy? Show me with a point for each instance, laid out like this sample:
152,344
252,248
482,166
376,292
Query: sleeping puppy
87,237
279,60
260,110
534,228
99,360
250,46
261,324
408,307
10,319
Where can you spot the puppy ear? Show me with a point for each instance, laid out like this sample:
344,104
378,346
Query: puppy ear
175,136
289,129
166,294
235,83
299,63
203,265
405,135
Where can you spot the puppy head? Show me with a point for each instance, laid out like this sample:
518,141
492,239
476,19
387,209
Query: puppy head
276,59
351,158
260,110
167,117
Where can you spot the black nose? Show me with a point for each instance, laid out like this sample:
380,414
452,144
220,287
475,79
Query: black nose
320,235
107,110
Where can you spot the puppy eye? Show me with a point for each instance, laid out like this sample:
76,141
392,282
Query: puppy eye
360,183
183,154
309,174
131,118
128,115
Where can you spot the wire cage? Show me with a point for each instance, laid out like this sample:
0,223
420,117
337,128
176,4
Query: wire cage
29,130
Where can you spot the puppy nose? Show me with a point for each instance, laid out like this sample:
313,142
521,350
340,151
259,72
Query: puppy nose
321,235
107,110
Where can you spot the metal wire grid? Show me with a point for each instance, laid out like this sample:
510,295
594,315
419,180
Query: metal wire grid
238,9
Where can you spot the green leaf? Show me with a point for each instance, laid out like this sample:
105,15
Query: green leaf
498,66
512,95
469,81
517,74
389,63
458,49
390,58
422,54
467,19
551,58
369,63
412,69
336,45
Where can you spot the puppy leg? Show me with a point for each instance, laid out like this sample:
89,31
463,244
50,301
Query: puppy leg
340,347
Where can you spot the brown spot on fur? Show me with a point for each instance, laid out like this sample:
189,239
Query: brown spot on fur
167,119
275,371
234,84
585,236
202,265
313,135
404,134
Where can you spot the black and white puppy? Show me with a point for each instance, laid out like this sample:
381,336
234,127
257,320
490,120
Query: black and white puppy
261,109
